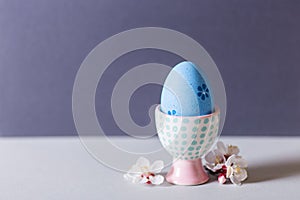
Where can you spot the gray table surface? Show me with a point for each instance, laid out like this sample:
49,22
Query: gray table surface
60,168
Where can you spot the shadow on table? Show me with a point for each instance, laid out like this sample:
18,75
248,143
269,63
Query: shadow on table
266,172
271,171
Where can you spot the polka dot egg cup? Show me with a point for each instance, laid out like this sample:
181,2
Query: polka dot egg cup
187,139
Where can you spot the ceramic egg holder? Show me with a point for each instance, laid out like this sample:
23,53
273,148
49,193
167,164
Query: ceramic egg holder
187,139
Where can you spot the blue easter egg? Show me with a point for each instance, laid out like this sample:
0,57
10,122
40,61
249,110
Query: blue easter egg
186,92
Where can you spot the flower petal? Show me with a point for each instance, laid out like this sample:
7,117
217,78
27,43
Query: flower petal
214,160
134,170
233,159
242,163
127,177
157,179
221,147
236,160
157,166
144,180
229,172
200,88
143,162
219,157
221,179
218,166
242,175
217,152
132,178
210,167
231,150
210,157
234,180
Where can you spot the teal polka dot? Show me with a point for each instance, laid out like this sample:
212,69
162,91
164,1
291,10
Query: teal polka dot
183,128
175,128
207,145
168,119
175,148
210,139
182,148
197,152
194,142
170,141
206,121
202,141
167,127
213,118
183,135
204,128
210,133
212,127
204,151
190,153
183,142
195,129
185,121
202,135
198,148
176,142
175,120
168,134
197,121
192,157
191,148
197,157
194,135
186,158
175,135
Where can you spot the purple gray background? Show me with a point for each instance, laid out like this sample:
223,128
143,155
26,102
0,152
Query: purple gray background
254,43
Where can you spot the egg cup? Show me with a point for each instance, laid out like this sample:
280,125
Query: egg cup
187,139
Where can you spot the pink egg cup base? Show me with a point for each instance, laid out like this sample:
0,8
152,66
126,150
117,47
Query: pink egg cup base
187,172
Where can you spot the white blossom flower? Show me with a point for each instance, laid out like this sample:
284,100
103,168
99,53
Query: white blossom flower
227,150
143,172
214,160
236,169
